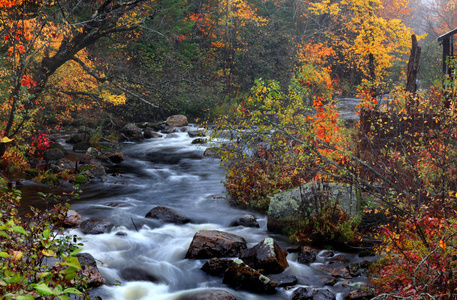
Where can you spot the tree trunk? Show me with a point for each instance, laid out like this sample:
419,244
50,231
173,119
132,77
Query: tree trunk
413,66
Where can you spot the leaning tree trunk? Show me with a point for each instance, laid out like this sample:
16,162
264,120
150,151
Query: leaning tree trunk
413,66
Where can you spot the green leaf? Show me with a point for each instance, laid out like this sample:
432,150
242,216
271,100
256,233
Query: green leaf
43,289
73,253
19,229
4,255
72,262
25,297
47,233
63,297
71,291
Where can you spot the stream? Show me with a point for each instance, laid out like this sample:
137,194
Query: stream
172,172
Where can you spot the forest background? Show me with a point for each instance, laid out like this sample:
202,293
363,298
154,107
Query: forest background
267,66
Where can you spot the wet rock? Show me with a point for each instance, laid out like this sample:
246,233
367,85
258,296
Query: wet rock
327,253
94,171
89,270
132,132
216,266
304,293
198,141
62,165
169,130
359,268
81,147
214,243
360,294
307,255
136,274
287,207
149,133
95,226
121,233
337,269
211,295
115,157
242,277
266,256
329,281
78,138
177,121
72,219
283,280
212,152
167,215
196,133
246,221
53,154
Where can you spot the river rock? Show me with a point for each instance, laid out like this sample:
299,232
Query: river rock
211,295
177,121
337,269
216,266
212,152
361,294
196,133
89,270
53,154
214,243
136,274
115,157
168,131
306,293
149,133
246,221
297,204
242,277
96,226
72,219
62,165
167,215
132,132
266,256
78,138
307,255
283,280
81,147
198,141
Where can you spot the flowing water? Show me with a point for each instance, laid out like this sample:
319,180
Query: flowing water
174,173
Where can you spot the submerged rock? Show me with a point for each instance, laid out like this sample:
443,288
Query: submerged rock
214,243
96,226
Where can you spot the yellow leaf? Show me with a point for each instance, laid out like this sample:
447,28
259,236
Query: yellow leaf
442,244
48,253
5,140
17,255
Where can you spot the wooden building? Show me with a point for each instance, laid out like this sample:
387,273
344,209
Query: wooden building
448,41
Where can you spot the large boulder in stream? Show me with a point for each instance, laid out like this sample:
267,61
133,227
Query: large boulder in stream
216,266
242,277
167,215
149,133
300,203
266,256
177,121
96,226
214,243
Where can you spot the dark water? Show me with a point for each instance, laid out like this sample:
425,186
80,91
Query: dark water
174,173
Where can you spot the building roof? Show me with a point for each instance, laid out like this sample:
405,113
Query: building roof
447,34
